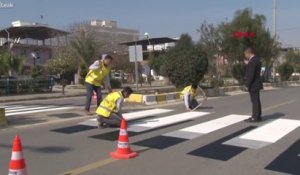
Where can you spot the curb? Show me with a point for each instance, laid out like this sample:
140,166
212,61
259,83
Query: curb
165,98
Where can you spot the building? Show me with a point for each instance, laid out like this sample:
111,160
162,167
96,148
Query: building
35,41
108,33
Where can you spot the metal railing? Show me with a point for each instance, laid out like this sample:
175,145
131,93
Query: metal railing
10,86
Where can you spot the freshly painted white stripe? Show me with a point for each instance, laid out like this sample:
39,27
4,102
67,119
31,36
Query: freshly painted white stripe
28,109
132,116
164,121
216,124
143,114
37,111
207,127
16,156
272,131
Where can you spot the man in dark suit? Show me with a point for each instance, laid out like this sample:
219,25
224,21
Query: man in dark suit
253,83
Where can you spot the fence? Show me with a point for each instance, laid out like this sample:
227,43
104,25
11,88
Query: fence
25,86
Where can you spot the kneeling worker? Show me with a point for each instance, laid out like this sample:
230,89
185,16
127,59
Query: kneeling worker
109,111
189,94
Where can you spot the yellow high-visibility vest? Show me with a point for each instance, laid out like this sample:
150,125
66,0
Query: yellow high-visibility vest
96,77
189,89
109,104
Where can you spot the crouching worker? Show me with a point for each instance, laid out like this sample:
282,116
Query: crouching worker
189,94
109,111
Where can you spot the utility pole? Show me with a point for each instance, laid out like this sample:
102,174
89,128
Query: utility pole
274,18
274,33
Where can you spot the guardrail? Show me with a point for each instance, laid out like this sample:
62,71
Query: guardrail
10,86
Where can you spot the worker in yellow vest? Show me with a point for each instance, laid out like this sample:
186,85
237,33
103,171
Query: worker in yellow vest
188,94
109,111
97,76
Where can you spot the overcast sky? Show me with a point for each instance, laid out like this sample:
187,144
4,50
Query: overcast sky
157,17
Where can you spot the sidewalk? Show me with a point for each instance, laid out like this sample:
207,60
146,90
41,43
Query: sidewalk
75,91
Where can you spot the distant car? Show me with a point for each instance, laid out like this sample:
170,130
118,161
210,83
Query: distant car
117,75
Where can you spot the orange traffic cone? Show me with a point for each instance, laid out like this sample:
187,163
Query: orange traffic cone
123,151
17,163
95,97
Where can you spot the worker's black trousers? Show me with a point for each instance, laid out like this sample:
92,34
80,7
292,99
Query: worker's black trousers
113,120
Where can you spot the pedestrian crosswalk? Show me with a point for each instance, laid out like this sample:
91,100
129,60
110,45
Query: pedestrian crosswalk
246,136
12,110
266,134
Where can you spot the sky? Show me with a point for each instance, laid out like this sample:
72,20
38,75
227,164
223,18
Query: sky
157,17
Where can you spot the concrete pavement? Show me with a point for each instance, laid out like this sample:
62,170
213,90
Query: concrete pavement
67,147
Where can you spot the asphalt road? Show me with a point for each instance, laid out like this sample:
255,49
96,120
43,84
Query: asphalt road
214,140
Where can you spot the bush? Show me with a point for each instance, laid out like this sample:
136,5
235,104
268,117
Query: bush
285,70
36,71
186,63
238,72
115,83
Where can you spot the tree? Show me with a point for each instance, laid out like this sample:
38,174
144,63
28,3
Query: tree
210,41
156,63
186,63
11,63
62,63
285,71
293,57
238,72
84,47
231,38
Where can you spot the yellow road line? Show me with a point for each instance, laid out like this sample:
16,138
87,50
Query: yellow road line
89,167
102,163
278,105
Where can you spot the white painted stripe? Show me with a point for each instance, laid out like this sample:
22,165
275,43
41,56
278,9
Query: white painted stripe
17,172
143,114
164,121
16,156
18,107
132,116
37,111
123,132
207,127
123,144
272,131
216,124
28,109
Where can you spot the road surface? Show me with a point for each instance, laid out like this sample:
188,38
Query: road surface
213,140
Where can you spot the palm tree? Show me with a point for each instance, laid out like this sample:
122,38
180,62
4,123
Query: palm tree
10,64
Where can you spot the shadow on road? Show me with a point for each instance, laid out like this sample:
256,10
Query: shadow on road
273,116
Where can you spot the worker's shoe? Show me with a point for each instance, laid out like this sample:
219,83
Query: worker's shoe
101,124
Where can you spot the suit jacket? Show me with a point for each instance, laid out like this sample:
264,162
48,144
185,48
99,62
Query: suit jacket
252,78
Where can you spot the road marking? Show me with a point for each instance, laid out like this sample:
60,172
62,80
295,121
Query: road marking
265,135
27,109
17,107
149,124
37,111
132,116
90,167
207,127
